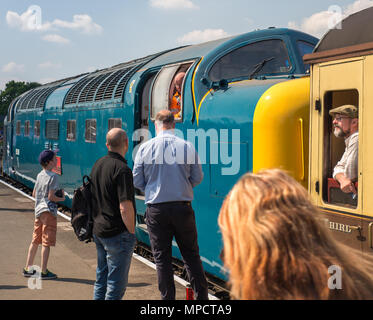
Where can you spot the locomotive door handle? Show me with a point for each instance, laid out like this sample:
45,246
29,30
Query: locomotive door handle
355,228
370,235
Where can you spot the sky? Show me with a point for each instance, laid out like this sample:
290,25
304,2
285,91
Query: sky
48,40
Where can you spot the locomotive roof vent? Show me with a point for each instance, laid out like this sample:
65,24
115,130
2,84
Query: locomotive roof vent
35,98
105,84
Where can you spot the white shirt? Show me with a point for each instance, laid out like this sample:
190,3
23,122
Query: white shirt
348,165
45,181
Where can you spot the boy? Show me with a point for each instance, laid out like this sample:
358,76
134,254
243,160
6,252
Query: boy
45,226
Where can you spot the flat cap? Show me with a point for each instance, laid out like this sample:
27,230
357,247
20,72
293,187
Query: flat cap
348,110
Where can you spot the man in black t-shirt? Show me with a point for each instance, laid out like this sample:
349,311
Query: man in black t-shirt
113,218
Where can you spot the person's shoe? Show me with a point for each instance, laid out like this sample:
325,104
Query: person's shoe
48,275
28,273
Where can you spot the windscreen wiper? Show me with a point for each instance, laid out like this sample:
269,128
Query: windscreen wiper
260,66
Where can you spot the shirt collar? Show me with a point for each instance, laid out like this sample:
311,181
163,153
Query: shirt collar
349,138
116,155
166,132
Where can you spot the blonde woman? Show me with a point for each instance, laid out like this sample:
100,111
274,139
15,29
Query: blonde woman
275,248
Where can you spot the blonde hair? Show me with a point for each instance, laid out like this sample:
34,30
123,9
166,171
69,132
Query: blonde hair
275,248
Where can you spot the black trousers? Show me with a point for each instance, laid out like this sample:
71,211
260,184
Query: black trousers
168,220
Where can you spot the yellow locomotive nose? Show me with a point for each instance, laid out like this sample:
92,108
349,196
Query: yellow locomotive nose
280,129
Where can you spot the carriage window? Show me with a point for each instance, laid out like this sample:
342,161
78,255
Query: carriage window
168,90
71,130
264,57
305,48
18,128
27,127
37,128
114,123
340,149
90,130
52,129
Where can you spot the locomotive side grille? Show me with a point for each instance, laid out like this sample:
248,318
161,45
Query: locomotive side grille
119,91
132,70
84,90
13,106
103,87
31,102
51,129
43,97
93,87
81,84
22,103
35,99
75,90
111,86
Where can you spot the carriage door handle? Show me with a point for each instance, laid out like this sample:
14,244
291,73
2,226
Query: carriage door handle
370,234
357,228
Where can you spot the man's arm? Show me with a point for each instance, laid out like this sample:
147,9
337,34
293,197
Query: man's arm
346,185
196,173
54,186
128,215
138,171
346,169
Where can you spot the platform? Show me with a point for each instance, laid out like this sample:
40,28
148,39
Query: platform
73,261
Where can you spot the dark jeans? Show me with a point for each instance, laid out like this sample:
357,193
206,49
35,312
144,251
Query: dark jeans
113,263
164,221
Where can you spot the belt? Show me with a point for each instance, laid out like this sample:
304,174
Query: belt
170,203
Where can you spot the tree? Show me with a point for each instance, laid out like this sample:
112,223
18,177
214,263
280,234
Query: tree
12,90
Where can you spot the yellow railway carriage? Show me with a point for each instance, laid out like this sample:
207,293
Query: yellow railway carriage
342,73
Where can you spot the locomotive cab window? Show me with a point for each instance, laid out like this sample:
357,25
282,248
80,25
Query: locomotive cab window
90,130
341,140
168,90
269,57
114,123
71,130
27,128
37,128
18,128
305,48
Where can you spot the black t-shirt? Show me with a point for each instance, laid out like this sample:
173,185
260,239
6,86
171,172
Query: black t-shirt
112,183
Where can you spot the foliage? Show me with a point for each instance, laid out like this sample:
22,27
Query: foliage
12,90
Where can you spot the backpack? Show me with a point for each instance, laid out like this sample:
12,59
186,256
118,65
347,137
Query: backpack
81,211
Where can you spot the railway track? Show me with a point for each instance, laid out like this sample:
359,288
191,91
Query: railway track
218,287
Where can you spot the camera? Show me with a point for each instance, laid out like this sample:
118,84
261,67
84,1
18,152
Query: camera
59,193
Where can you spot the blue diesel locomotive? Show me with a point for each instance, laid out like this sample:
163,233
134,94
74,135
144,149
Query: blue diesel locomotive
245,106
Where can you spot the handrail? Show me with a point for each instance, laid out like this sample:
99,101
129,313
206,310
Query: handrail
300,121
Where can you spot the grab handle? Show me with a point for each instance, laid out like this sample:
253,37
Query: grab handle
370,235
300,120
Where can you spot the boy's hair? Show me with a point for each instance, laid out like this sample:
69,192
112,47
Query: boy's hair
45,157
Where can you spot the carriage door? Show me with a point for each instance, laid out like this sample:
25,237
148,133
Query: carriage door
340,83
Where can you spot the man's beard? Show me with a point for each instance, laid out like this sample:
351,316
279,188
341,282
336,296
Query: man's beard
338,132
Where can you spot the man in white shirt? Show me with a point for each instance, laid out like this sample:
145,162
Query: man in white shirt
346,125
